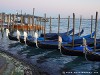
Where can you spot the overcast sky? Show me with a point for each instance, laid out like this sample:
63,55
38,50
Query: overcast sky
86,8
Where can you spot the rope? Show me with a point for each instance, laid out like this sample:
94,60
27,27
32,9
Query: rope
60,48
85,48
85,51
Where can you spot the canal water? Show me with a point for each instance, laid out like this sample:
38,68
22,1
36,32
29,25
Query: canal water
52,61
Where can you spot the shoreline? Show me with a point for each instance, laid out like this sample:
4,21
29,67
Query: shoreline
34,69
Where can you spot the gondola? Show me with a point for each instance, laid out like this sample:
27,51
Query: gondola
30,39
93,55
77,50
12,37
73,51
51,44
90,42
52,36
47,35
77,39
22,39
65,36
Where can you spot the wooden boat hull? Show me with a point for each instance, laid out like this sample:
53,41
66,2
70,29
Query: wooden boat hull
22,39
93,56
11,37
70,52
50,44
47,46
30,43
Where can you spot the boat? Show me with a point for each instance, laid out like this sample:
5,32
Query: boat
77,39
47,35
49,44
52,44
90,42
78,49
66,37
73,51
52,38
84,50
93,55
31,40
12,37
23,38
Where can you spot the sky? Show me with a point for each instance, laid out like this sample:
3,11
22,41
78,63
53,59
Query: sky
52,8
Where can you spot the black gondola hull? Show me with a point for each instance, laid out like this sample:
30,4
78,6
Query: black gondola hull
22,40
92,56
70,52
47,46
11,37
30,43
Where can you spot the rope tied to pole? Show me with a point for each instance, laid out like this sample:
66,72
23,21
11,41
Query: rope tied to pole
85,49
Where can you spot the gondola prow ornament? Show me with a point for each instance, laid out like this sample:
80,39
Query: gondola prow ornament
18,35
59,42
36,36
7,32
25,36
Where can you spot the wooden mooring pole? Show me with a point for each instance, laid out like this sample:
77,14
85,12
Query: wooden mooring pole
33,22
95,31
68,25
1,22
17,20
58,23
13,21
80,24
50,25
33,17
8,21
2,31
73,29
44,26
22,22
41,26
33,25
28,23
91,24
